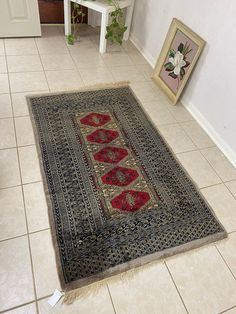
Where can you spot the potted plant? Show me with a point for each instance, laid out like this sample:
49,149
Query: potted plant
77,18
117,28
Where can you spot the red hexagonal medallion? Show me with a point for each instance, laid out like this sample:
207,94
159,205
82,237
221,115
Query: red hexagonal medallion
130,201
120,176
95,119
102,136
111,155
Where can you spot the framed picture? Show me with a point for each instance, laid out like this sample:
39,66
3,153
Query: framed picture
178,57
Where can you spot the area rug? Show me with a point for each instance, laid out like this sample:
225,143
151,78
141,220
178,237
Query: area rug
117,196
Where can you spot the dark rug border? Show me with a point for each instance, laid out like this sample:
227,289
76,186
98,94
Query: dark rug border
134,263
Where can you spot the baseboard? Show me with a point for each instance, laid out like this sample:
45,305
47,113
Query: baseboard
143,51
208,128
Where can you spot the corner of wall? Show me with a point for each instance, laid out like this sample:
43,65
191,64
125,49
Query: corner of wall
208,128
203,122
150,59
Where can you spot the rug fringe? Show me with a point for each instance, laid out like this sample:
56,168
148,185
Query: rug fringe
92,289
105,85
93,87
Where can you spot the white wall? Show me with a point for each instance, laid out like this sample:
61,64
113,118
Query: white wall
211,92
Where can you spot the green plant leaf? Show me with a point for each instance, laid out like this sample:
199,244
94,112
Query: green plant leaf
181,47
182,73
169,66
186,65
173,75
70,39
171,53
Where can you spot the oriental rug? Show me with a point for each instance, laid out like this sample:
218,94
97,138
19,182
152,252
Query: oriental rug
117,196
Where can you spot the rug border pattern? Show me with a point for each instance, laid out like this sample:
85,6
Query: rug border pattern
141,261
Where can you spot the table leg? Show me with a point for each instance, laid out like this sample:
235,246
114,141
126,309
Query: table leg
67,16
128,19
104,24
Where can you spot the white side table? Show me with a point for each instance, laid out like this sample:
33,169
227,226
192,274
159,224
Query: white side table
102,7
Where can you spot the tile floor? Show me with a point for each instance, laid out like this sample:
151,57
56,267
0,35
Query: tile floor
199,281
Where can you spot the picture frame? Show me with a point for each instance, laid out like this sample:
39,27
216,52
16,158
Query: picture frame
179,55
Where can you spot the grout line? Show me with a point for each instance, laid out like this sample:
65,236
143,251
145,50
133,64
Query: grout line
25,234
209,186
42,64
17,307
12,238
27,227
113,305
41,181
14,186
234,196
231,232
225,311
224,260
176,286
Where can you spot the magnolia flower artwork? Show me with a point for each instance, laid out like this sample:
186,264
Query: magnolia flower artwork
179,54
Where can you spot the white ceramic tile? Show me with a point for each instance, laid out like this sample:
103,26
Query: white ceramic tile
10,174
176,138
220,163
128,46
223,204
36,207
44,263
145,292
231,311
19,102
64,80
26,309
57,62
3,65
124,73
24,63
20,46
2,50
16,284
99,303
29,164
24,131
144,91
232,187
84,44
146,70
154,106
204,281
5,106
137,57
227,249
88,59
95,75
196,133
4,84
158,113
180,113
199,169
28,81
7,133
51,46
117,59
12,214
112,47
51,31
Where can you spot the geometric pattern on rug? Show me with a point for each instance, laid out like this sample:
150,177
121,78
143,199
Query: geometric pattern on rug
116,194
122,182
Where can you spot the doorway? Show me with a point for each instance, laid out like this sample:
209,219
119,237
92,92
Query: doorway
52,12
